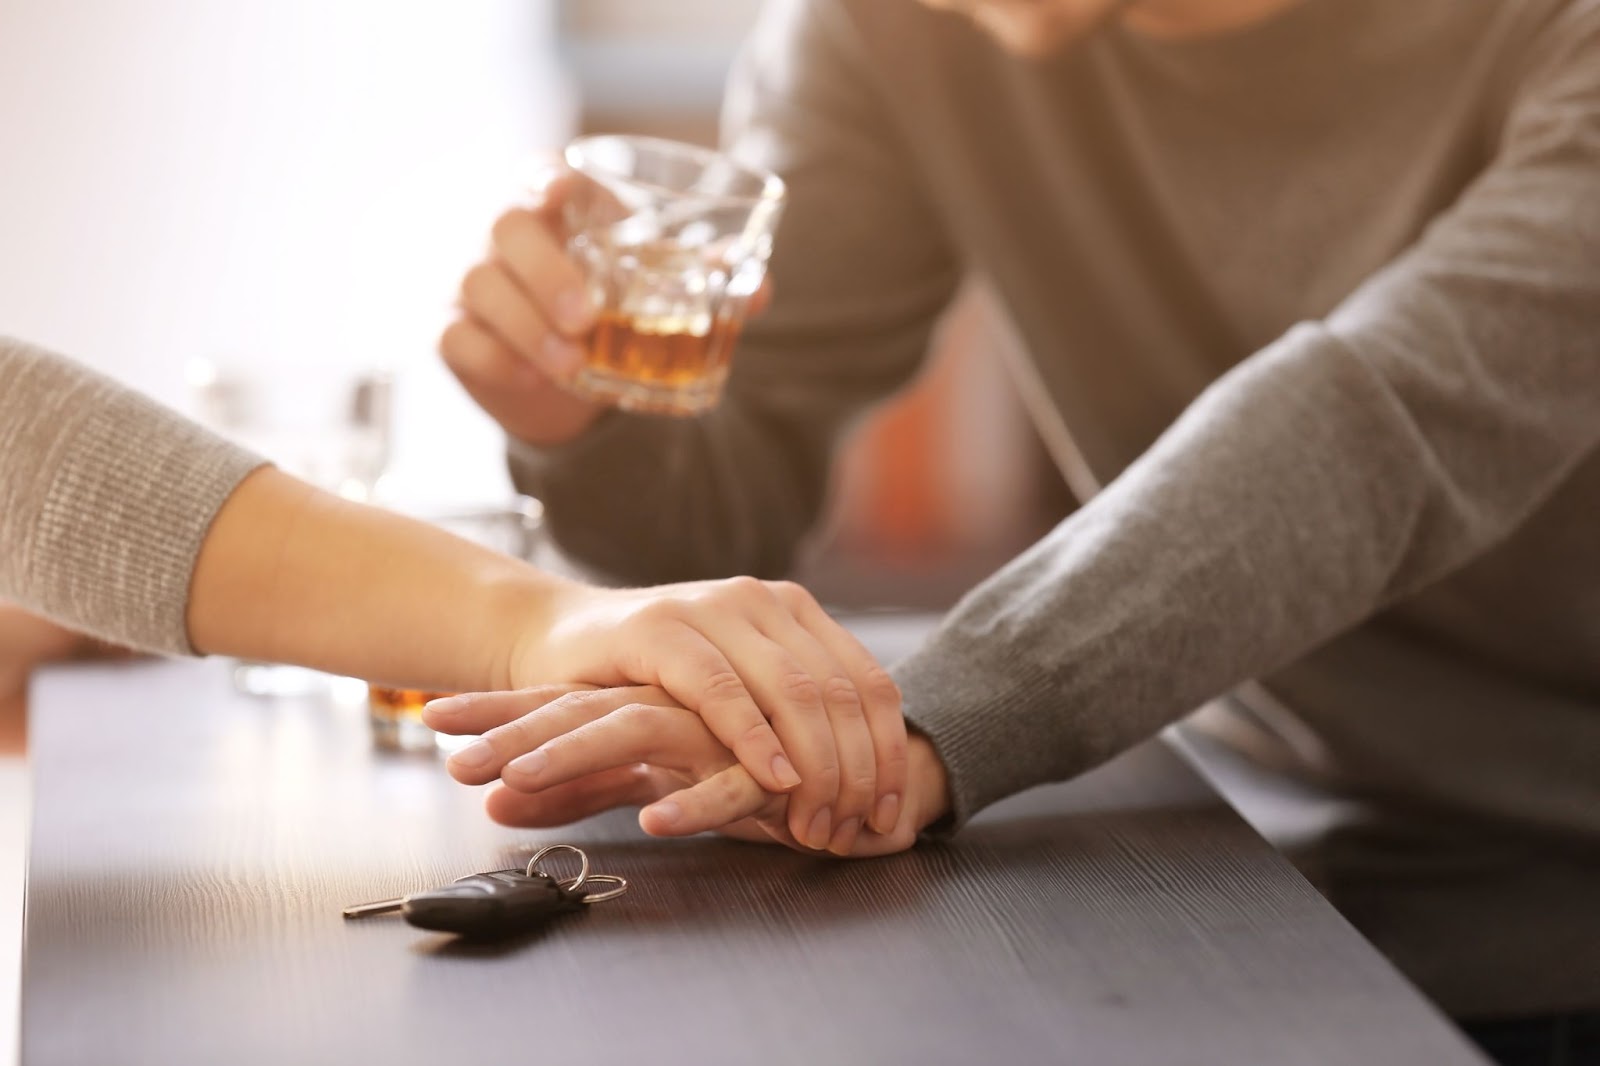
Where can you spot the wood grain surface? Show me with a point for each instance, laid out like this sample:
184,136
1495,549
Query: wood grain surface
192,849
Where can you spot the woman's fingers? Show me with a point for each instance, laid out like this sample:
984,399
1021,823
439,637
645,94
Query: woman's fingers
850,755
698,674
879,700
834,708
779,678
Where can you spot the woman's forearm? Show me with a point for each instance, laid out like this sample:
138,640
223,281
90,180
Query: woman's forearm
120,518
293,574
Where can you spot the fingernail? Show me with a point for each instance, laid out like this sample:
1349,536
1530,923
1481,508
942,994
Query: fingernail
844,837
817,834
783,770
668,812
529,765
572,311
887,813
561,359
445,705
478,753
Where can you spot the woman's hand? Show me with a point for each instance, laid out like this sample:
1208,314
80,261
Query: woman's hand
564,753
347,588
738,653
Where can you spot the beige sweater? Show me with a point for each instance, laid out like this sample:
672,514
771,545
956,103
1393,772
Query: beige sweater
105,497
1320,301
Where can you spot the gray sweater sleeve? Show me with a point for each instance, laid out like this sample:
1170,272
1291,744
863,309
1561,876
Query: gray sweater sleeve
105,498
1348,464
659,499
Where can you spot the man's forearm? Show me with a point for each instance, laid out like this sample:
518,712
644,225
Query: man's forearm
1288,504
1338,470
653,500
1226,550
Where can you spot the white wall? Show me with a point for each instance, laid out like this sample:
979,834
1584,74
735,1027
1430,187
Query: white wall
299,182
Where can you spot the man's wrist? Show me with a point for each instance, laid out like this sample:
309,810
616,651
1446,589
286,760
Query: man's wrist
555,424
929,783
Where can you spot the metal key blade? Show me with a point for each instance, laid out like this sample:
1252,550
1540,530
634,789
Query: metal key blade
367,910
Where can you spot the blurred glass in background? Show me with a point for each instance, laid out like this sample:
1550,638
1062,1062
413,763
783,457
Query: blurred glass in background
301,181
334,431
396,713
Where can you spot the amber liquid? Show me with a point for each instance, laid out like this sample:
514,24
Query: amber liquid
664,363
396,715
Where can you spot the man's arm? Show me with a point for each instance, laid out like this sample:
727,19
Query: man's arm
1352,462
860,274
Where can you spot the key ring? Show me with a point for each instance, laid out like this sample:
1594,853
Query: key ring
572,884
610,893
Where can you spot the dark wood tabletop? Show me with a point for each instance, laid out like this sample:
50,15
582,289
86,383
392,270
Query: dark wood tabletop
192,849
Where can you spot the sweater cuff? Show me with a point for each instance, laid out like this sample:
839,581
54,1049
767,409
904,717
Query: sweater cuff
120,529
982,710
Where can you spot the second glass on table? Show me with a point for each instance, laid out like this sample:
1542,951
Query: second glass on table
326,425
396,713
673,241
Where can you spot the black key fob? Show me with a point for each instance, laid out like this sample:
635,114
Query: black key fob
488,906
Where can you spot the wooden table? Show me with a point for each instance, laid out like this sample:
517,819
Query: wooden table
192,849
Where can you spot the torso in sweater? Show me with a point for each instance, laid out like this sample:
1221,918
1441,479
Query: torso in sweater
1151,214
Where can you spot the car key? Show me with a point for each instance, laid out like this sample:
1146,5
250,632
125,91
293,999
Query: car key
498,903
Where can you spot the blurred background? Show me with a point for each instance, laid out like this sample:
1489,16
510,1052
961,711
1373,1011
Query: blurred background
297,186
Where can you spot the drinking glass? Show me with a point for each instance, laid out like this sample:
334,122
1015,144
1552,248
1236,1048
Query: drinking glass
332,429
673,241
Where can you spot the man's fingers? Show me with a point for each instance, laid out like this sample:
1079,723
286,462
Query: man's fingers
665,737
873,845
536,259
552,193
752,832
483,760
495,299
720,800
478,712
622,786
483,363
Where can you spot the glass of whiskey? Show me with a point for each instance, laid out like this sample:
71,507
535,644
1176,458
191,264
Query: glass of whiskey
673,241
395,714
